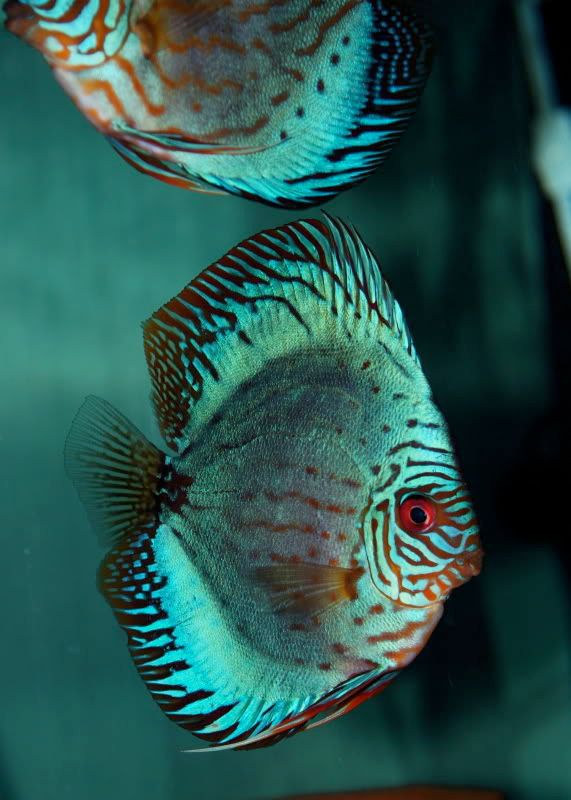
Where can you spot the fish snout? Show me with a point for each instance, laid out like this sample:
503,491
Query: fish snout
470,563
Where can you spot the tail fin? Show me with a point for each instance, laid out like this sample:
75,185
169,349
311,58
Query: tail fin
115,470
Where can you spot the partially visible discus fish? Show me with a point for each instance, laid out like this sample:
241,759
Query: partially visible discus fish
407,793
284,101
295,553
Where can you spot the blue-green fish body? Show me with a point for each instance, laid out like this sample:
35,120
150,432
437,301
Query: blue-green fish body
285,102
295,553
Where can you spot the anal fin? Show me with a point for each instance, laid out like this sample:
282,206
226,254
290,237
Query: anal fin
165,171
339,701
178,143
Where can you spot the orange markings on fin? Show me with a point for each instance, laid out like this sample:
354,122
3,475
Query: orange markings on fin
168,144
148,164
90,86
176,25
308,588
155,110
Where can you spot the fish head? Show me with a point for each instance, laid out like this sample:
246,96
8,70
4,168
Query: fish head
419,526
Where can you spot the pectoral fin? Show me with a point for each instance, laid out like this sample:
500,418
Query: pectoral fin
307,588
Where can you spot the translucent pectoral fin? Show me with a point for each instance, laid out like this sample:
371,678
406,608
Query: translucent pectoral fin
115,470
175,25
307,588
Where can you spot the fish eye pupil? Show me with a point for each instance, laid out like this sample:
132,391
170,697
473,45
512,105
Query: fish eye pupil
418,515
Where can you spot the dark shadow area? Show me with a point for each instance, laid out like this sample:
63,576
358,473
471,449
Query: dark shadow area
554,14
6,788
512,421
541,465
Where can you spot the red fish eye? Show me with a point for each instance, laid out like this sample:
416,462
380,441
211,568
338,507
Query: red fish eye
417,514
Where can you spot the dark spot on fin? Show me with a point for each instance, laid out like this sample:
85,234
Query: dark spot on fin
307,588
115,470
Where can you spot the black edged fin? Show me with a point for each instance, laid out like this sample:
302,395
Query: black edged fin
115,470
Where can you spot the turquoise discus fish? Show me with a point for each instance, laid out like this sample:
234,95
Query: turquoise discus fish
284,101
294,554
407,793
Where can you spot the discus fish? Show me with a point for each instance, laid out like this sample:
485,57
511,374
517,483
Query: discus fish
407,793
285,101
293,555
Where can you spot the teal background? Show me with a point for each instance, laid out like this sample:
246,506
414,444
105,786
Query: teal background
89,248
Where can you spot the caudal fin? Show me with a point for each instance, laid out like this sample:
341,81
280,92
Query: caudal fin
115,470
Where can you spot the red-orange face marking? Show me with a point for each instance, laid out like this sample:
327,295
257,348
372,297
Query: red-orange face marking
420,530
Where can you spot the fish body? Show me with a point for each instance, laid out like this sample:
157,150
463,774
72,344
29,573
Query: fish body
408,793
294,554
286,101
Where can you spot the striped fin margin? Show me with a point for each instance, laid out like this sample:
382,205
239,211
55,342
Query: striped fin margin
223,717
168,172
132,583
120,477
401,60
290,288
339,701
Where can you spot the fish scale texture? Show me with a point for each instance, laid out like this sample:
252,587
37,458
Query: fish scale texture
266,575
284,102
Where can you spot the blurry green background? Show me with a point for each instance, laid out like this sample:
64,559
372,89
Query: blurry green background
89,248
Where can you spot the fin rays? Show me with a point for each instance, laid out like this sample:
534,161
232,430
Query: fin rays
115,470
314,268
307,588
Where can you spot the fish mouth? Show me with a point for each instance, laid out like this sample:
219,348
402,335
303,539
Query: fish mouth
458,572
470,564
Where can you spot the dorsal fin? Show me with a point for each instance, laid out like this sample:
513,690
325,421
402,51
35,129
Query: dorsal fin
308,284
